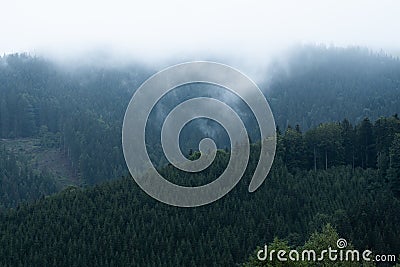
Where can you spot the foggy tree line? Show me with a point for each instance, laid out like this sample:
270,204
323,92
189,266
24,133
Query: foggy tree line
341,173
82,107
320,84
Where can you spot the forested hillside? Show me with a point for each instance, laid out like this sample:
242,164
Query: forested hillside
317,84
314,181
344,172
199,133
80,108
19,183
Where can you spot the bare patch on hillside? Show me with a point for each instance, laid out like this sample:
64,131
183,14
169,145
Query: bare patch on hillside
47,160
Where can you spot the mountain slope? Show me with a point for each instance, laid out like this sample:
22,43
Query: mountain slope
80,110
116,223
320,84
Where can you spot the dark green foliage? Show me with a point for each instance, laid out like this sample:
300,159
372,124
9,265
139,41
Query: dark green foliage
19,183
365,145
117,222
332,173
394,162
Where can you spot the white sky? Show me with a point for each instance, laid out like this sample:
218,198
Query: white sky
161,29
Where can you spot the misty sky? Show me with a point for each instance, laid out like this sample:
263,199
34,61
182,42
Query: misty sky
162,29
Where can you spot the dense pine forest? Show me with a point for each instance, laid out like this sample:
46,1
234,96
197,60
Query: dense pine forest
78,109
117,224
336,172
19,182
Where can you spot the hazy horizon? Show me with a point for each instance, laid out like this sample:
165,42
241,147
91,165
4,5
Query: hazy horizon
152,31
